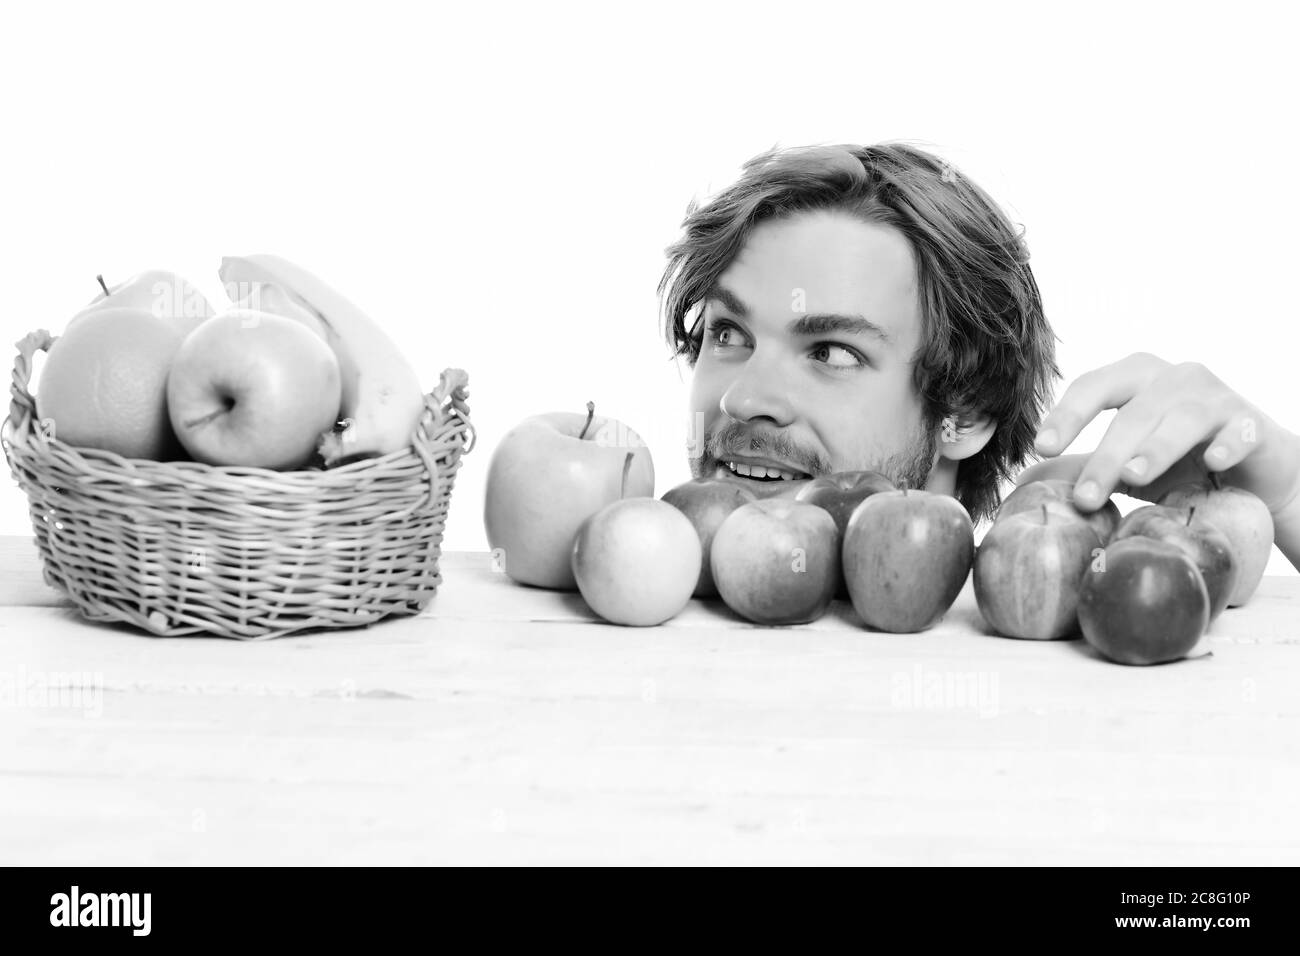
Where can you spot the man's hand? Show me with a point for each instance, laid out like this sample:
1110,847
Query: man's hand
1174,424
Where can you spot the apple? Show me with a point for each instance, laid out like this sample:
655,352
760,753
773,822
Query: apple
1058,493
636,561
843,491
548,475
706,502
1242,517
776,561
839,494
906,557
253,389
1028,571
1200,540
162,294
1144,602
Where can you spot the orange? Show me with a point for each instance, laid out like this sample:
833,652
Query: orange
104,384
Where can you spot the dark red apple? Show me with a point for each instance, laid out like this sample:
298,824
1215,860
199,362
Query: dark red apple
906,556
707,502
1241,516
839,494
1059,494
1028,571
1199,539
843,491
1143,602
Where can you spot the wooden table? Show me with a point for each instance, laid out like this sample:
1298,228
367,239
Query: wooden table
507,725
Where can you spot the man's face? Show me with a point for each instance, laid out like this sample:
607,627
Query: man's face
806,361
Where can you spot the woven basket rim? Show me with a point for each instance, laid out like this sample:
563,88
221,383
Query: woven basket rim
20,429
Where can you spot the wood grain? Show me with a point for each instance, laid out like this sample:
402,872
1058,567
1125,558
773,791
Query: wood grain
507,725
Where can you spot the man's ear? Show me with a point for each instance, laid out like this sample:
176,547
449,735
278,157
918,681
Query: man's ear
961,436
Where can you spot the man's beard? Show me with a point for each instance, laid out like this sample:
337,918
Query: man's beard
909,468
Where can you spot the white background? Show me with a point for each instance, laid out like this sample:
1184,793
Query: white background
496,185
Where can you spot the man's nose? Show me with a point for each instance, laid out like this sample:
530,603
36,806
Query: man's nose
759,390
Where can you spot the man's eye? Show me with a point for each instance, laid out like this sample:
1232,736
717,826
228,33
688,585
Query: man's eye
847,358
723,334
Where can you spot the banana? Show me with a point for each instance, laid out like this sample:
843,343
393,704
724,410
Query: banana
382,399
264,297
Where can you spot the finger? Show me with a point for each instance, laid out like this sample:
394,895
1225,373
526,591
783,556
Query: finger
1117,460
1063,466
1186,470
1138,453
1092,393
1180,430
1232,443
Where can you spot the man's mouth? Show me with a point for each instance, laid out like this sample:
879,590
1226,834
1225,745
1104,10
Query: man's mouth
758,472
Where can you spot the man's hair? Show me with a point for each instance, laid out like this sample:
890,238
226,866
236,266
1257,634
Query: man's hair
985,342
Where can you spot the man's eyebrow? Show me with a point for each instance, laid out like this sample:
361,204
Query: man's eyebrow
816,323
822,323
730,301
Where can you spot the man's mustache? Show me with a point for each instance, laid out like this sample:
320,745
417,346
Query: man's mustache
736,440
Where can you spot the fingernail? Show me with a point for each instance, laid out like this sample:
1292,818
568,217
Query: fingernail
1088,490
1218,453
1137,465
1047,438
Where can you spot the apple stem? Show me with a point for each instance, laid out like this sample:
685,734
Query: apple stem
1216,481
204,419
1191,514
591,412
1045,512
103,286
627,466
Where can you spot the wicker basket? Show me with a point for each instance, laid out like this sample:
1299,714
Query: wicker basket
180,548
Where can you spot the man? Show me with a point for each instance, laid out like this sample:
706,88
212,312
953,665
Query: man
847,308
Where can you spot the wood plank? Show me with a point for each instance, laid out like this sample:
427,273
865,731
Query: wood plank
506,725
189,778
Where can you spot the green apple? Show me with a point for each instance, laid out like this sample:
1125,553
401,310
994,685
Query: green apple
548,475
253,389
162,294
636,561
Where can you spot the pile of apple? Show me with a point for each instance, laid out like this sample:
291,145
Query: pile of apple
291,375
570,503
1142,590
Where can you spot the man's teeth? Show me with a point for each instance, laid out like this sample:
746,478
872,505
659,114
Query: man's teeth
762,471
